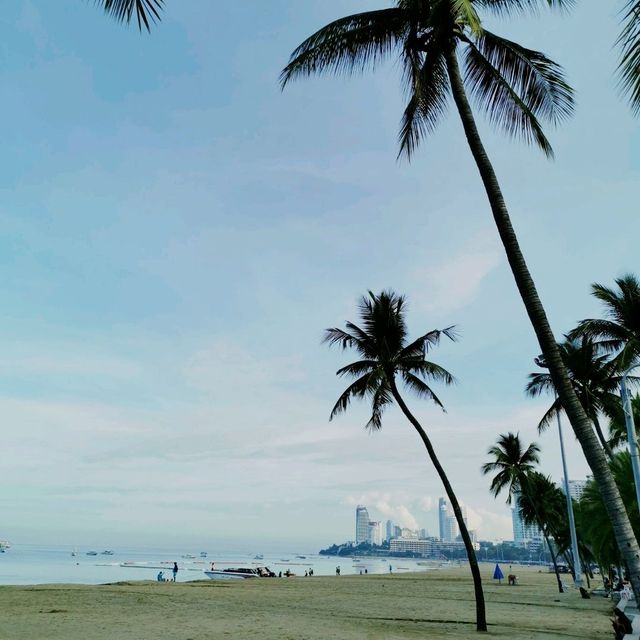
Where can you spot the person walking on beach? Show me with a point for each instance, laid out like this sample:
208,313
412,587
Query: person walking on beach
175,571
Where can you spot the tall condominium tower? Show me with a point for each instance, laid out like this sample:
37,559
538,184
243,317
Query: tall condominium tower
523,534
448,524
362,524
390,530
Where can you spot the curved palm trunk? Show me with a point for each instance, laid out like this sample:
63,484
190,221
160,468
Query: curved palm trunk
481,616
555,563
580,423
603,440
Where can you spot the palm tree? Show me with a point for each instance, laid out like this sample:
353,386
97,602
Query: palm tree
514,466
382,342
146,11
619,331
595,379
515,87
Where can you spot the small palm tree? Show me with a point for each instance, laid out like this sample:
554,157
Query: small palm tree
516,88
386,354
619,331
595,379
145,11
513,466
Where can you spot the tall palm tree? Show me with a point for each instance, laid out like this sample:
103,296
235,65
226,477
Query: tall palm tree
619,331
146,11
595,379
514,466
515,87
386,353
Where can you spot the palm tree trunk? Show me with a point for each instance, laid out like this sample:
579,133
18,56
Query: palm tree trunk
603,440
580,423
481,616
555,563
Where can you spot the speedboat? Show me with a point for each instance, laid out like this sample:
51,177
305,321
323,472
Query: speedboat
92,553
107,552
203,554
188,556
239,573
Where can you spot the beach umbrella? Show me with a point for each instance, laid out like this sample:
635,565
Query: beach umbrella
497,574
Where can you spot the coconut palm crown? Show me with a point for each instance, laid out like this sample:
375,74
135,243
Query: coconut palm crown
382,343
517,88
629,43
146,12
619,331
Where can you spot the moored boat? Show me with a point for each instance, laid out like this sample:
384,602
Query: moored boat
241,573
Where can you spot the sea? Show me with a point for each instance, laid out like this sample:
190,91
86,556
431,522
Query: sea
34,564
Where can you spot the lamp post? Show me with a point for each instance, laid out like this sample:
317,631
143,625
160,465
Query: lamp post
631,431
577,568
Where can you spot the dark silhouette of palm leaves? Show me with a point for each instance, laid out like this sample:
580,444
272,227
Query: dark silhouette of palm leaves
381,341
619,331
512,463
618,425
517,88
629,43
146,12
594,376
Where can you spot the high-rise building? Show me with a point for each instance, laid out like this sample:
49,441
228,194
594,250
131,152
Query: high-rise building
390,530
447,521
397,531
576,487
523,534
375,533
423,534
362,524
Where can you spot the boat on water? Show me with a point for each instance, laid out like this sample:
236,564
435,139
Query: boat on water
188,556
107,552
302,557
241,573
258,556
92,553
4,545
203,554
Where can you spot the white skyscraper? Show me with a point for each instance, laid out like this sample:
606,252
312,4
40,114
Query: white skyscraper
523,534
375,533
390,530
362,524
447,521
576,487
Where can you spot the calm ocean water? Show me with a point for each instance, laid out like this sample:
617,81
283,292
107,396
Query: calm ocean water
32,564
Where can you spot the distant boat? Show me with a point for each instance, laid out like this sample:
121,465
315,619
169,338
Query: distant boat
107,552
239,574
302,557
92,553
203,554
258,556
188,556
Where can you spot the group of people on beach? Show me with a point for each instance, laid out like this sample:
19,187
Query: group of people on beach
174,571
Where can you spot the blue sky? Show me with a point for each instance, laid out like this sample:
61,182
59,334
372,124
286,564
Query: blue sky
175,233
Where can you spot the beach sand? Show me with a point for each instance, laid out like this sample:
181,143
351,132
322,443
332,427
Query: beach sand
433,605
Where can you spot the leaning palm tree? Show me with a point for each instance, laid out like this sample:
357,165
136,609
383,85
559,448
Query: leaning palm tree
619,331
145,11
513,466
516,88
595,378
386,354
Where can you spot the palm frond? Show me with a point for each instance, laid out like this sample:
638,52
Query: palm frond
358,389
501,104
349,44
335,336
629,43
511,7
381,398
146,12
426,369
539,384
421,388
357,368
549,415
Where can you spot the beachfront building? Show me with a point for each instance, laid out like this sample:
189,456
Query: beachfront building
375,533
428,548
576,487
524,535
447,521
362,524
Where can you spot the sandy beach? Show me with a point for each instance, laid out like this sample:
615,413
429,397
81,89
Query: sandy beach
433,605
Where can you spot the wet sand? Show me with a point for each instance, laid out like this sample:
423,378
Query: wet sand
434,605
